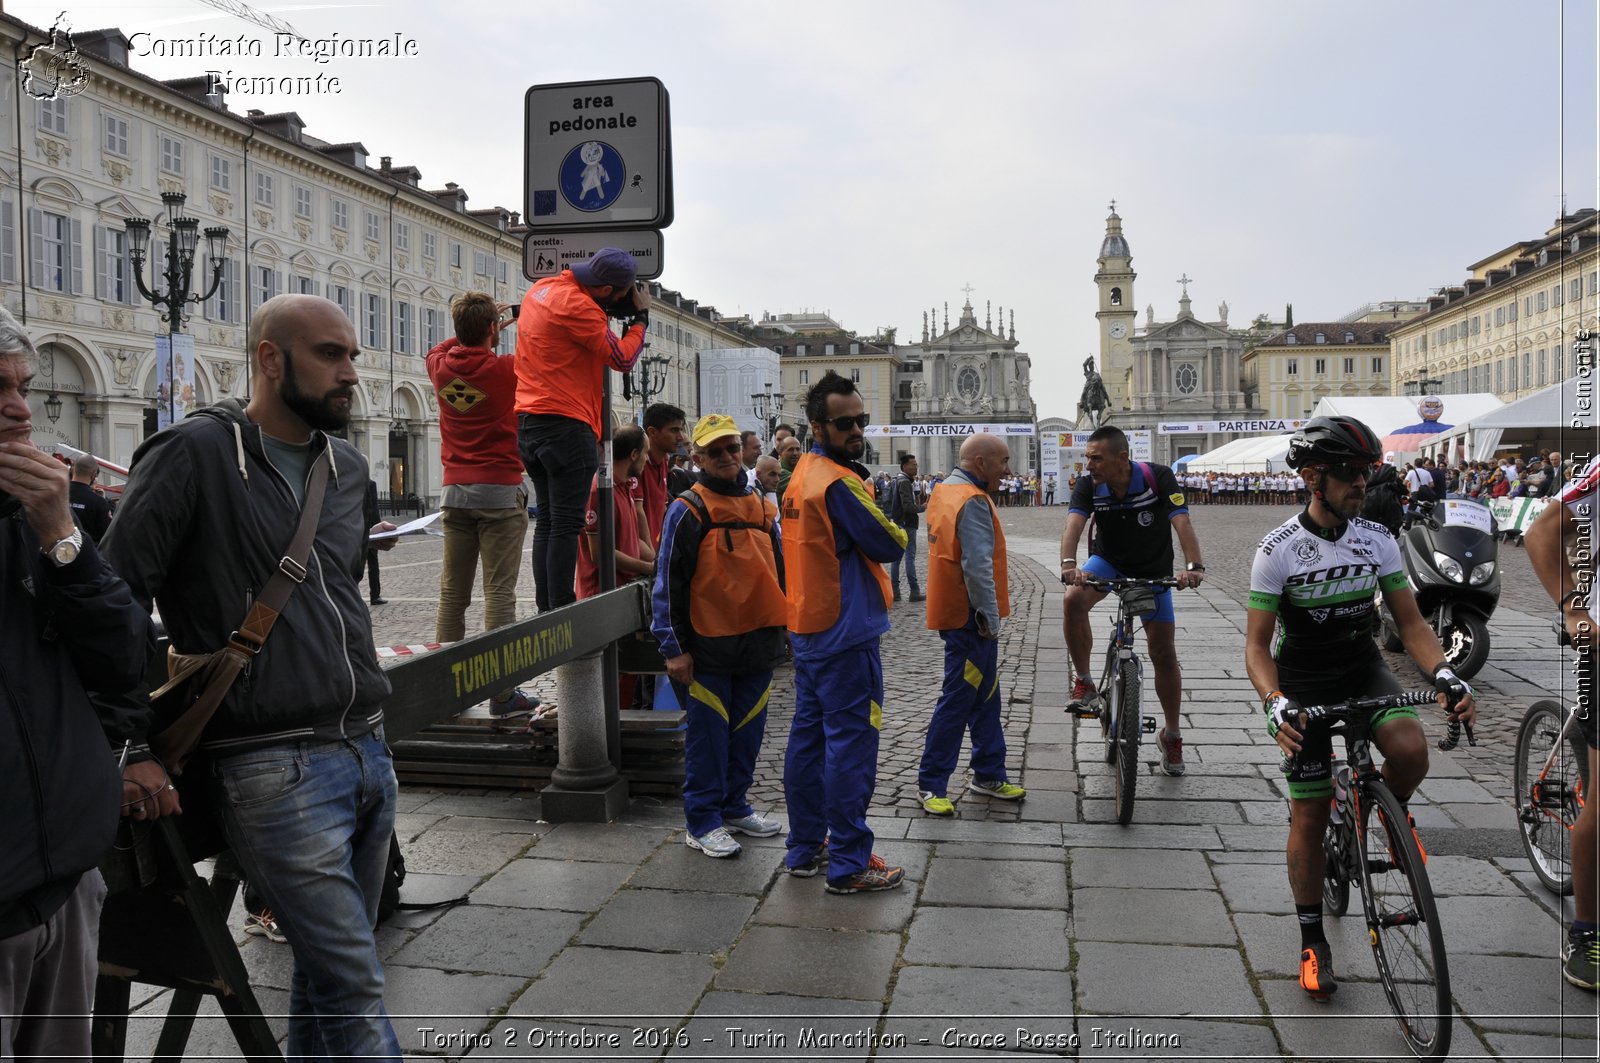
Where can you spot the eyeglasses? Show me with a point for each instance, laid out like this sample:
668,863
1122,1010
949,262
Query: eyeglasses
1349,474
731,450
842,424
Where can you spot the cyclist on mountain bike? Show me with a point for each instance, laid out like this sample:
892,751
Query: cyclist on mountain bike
1318,575
1136,506
1572,587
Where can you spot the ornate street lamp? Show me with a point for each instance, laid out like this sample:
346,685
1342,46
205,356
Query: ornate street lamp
183,238
768,405
52,407
652,373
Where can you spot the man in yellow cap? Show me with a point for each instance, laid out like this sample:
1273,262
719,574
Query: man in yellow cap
719,612
967,602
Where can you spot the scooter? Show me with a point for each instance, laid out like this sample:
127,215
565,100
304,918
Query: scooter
1452,561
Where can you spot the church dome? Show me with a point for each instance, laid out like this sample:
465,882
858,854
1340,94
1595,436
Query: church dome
1115,245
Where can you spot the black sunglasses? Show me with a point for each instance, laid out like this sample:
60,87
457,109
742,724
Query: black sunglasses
860,420
1349,474
720,452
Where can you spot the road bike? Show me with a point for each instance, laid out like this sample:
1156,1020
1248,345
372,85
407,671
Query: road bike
1116,703
1550,780
1370,843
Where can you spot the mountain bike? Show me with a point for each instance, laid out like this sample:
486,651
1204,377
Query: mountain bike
1369,842
1116,702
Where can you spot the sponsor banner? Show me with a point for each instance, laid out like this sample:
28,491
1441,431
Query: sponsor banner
174,378
1071,447
1515,514
914,430
1265,426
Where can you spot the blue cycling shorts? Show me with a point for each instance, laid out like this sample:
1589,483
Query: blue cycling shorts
1100,568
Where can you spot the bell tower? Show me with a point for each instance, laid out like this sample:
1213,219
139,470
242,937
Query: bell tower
1116,313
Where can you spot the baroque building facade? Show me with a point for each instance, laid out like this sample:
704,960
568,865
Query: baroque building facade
969,374
304,215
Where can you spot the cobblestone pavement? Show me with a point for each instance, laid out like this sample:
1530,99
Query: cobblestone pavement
1030,929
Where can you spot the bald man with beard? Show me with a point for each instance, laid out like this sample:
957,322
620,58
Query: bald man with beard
294,756
968,600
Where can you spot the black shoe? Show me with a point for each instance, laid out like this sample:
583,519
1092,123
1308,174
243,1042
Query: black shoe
918,596
380,601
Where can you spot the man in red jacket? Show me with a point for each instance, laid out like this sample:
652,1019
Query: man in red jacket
485,505
564,346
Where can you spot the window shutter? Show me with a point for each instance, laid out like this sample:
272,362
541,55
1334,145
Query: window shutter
36,247
8,237
75,256
235,293
102,265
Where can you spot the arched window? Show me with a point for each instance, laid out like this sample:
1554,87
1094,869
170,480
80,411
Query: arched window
1116,297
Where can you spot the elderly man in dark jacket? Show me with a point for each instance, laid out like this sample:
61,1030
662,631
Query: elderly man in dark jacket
66,623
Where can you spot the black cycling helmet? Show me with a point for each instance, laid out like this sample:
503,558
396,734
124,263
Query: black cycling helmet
1334,441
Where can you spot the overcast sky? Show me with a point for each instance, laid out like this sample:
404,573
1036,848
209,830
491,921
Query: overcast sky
872,158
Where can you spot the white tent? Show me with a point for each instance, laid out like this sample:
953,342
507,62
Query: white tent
1567,406
1383,414
1250,454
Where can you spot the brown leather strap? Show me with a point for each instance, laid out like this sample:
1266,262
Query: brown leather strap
178,740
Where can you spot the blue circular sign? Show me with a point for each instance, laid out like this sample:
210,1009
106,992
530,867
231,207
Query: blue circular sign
592,176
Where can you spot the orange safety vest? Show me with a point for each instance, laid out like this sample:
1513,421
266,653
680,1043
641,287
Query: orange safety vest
735,589
948,605
810,558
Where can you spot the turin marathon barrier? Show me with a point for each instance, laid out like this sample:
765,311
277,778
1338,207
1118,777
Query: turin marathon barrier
164,925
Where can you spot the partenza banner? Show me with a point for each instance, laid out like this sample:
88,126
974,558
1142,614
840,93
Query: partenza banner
948,429
1265,426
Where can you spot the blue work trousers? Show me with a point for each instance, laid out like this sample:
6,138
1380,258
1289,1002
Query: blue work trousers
831,765
310,823
969,702
727,716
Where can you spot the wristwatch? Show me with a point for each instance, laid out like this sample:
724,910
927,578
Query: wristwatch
1194,566
65,552
1571,597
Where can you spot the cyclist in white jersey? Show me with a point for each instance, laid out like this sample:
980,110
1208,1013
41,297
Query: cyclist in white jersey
1315,580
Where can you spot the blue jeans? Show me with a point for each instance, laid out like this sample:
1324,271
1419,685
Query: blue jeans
561,456
911,564
310,824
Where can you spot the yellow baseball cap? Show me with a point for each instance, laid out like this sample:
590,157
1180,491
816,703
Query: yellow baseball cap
713,426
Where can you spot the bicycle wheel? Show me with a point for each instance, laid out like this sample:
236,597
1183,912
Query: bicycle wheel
1129,726
1335,871
1110,696
1403,923
1548,805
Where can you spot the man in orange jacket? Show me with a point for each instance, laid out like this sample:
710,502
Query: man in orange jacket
968,600
564,346
835,543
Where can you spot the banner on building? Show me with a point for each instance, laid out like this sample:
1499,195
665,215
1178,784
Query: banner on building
1265,426
174,378
942,430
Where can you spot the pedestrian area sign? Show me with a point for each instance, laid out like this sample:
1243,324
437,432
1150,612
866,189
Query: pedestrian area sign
598,156
546,254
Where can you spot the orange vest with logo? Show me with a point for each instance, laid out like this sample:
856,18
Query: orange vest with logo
948,605
735,589
810,560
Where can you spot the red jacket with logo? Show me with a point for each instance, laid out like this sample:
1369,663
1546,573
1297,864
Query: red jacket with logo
477,422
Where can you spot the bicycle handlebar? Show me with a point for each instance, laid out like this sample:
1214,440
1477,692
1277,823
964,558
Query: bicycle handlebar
1343,710
1118,583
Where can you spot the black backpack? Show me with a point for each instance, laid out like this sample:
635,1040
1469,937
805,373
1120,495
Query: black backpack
1383,499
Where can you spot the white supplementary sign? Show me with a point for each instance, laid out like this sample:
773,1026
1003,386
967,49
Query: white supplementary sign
544,254
598,155
1466,514
948,429
1265,426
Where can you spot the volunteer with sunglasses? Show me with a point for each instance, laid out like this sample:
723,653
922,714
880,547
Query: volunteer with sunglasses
1318,575
835,543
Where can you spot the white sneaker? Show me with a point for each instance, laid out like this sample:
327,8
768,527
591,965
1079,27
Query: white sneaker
755,824
716,843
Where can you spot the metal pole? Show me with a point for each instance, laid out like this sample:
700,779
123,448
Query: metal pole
606,563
